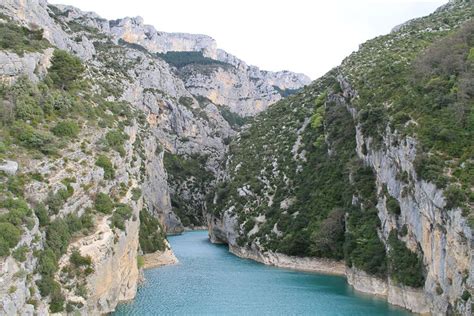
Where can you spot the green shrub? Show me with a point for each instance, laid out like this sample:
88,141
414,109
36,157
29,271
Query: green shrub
103,203
116,140
405,266
140,262
65,69
87,220
466,295
27,108
234,119
47,285
136,194
393,206
58,236
181,59
47,266
430,168
328,241
74,223
364,184
105,163
186,101
47,263
10,234
57,300
317,118
30,138
78,260
362,247
42,214
151,234
37,176
122,213
20,39
55,201
4,248
68,129
16,185
455,197
20,253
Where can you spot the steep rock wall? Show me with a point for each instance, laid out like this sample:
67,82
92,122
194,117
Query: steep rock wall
442,235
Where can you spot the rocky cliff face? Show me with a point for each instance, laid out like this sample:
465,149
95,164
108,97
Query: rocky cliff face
133,30
440,234
247,90
139,118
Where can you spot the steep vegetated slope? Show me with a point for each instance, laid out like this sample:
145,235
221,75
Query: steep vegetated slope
371,164
91,124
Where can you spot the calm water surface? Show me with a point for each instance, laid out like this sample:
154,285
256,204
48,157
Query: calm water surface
211,281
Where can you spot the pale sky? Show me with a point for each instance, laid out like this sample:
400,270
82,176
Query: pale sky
308,36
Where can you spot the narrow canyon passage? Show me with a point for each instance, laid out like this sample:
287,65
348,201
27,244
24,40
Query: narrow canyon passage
209,280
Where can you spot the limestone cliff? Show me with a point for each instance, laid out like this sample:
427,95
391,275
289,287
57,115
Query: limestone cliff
245,89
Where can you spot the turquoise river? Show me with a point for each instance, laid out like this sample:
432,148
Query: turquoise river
211,281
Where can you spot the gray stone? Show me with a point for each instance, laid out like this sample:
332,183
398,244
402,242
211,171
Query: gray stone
10,167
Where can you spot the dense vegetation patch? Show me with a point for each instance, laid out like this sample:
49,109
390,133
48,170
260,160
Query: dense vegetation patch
11,223
234,119
286,92
20,39
181,59
151,234
188,173
405,266
105,163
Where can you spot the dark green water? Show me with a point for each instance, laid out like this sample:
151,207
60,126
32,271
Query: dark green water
211,281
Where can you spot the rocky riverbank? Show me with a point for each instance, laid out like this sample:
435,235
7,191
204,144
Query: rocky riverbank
317,265
159,259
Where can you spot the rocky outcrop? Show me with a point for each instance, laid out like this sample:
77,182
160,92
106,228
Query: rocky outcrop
16,298
231,87
36,14
133,30
116,274
308,264
10,167
32,65
223,229
159,258
409,298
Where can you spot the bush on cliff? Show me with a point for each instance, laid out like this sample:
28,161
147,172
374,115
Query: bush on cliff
405,266
151,235
65,69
